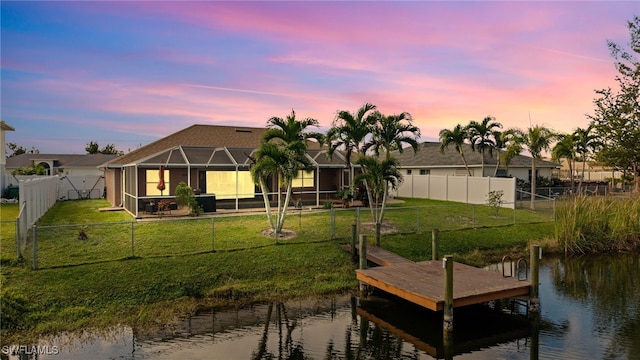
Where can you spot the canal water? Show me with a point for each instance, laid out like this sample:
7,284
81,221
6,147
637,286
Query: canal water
590,309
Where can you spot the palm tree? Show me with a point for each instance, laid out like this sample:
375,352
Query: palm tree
586,141
283,153
537,139
503,139
457,137
481,136
349,132
565,148
392,132
378,175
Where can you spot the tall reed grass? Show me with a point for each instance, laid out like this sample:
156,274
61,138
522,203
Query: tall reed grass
598,224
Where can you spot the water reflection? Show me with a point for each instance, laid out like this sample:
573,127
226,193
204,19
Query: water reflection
609,288
590,309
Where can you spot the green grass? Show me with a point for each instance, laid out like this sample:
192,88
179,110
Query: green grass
174,272
8,215
114,235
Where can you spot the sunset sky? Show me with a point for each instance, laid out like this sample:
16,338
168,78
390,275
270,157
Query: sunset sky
129,73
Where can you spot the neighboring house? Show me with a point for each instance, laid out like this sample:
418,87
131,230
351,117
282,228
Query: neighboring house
428,160
62,164
593,171
79,175
3,153
214,161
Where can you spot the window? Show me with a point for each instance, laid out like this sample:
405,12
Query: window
425,172
408,171
153,178
305,178
502,173
223,184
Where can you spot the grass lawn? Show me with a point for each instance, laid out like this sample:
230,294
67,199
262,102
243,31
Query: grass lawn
174,272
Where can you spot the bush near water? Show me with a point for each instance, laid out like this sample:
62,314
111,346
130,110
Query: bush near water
598,224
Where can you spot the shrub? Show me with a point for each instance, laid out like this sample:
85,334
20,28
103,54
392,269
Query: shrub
494,199
183,194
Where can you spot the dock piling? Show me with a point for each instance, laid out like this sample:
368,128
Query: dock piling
447,263
363,261
535,256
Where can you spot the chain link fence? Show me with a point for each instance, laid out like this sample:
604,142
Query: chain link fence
67,245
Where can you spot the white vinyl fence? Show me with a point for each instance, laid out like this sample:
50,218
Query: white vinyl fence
37,196
71,187
464,189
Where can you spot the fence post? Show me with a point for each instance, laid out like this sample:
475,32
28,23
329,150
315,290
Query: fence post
333,223
354,236
358,219
18,252
35,247
213,234
473,215
434,244
133,253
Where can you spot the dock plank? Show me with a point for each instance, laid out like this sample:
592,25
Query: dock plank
381,257
423,283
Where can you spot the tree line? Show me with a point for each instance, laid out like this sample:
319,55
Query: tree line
612,138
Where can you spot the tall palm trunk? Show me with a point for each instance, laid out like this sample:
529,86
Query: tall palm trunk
495,171
283,211
533,184
267,203
582,175
464,160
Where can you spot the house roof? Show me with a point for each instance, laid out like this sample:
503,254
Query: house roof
203,136
6,127
429,156
60,160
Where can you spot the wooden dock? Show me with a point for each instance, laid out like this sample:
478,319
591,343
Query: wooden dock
423,283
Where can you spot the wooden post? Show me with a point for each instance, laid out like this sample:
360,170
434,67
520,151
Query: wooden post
354,236
434,244
363,261
447,324
447,345
363,251
534,257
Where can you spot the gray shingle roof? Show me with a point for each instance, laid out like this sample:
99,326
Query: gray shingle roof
429,155
209,136
60,160
197,135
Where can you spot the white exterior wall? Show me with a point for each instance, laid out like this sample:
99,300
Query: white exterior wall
465,189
